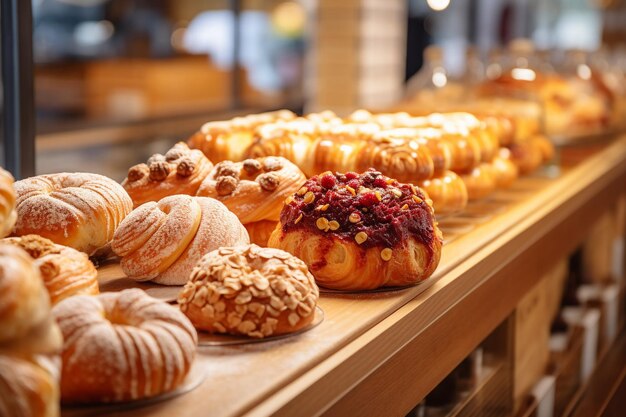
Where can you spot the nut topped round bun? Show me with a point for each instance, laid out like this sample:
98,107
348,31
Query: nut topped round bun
65,271
250,291
7,203
180,171
360,231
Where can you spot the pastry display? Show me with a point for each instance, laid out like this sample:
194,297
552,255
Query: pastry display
180,171
250,291
254,190
65,271
229,140
360,231
162,241
78,210
8,215
122,346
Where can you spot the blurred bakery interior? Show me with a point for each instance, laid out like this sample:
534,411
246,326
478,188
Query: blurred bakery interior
526,315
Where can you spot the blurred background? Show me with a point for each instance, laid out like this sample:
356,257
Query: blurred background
117,80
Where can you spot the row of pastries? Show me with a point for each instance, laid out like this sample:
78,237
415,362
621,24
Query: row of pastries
248,218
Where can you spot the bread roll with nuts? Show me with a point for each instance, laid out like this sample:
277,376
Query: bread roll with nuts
250,291
180,171
254,190
8,215
359,232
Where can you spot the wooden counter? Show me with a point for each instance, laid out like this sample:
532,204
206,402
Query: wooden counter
381,353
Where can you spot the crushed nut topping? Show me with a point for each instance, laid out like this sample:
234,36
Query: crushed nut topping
354,218
360,237
185,167
159,170
322,223
385,254
137,172
226,169
226,185
251,166
268,181
309,197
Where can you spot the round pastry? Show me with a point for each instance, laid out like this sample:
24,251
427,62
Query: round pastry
358,232
77,210
448,193
163,241
254,190
506,171
527,156
545,146
122,346
180,171
27,389
250,291
65,271
480,181
8,215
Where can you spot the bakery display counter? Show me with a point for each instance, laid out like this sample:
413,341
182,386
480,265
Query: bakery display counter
381,353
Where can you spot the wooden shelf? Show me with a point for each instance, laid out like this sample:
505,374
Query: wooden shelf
381,353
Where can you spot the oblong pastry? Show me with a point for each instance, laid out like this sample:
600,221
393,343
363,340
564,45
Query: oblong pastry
480,181
65,271
162,241
78,210
506,171
180,171
122,346
250,291
27,389
229,140
448,193
358,232
8,215
254,190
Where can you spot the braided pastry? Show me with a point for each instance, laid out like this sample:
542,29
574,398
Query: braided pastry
8,215
179,171
122,346
254,190
251,291
359,232
163,241
77,210
229,140
65,271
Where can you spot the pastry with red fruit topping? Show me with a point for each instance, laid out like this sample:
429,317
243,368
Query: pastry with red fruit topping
360,231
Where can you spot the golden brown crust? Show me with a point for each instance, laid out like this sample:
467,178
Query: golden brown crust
448,193
250,291
527,156
180,171
65,271
163,241
122,346
506,171
78,210
260,231
8,215
480,181
253,189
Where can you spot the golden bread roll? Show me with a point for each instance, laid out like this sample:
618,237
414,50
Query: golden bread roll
180,171
8,215
480,181
250,291
65,271
122,346
254,189
27,389
545,146
78,210
162,241
448,193
527,156
358,232
506,171
229,140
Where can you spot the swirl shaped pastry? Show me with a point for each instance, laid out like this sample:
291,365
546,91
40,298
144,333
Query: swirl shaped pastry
180,171
65,271
254,190
229,140
358,232
122,346
8,215
78,210
162,241
250,291
448,193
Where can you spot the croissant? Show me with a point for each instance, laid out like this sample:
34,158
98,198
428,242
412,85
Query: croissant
358,232
179,171
77,210
254,190
8,215
162,241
